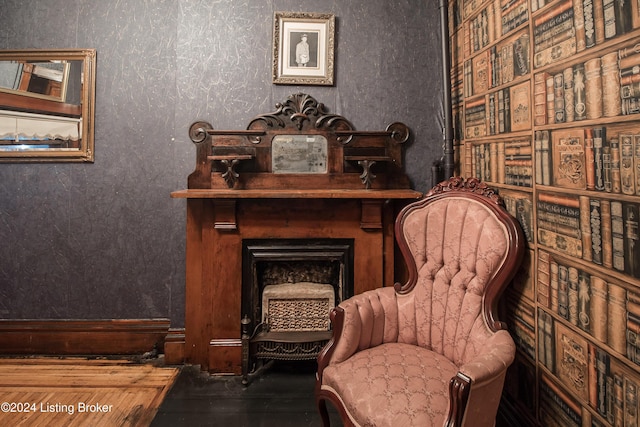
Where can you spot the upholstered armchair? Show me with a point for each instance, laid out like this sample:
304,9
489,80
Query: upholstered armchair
430,352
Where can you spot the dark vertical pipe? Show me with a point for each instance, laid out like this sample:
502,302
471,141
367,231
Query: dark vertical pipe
446,80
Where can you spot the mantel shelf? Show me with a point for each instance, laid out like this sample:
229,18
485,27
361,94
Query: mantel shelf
295,194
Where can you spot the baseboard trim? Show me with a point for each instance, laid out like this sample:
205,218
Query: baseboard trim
174,346
82,337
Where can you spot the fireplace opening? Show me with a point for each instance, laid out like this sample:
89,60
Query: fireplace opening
289,287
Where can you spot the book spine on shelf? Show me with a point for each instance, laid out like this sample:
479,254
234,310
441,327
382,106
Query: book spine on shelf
623,16
614,145
609,15
617,318
538,155
589,24
618,403
627,179
563,291
493,164
569,95
630,393
607,249
507,110
595,220
558,98
590,159
585,228
545,145
602,372
544,280
636,162
610,85
599,136
631,240
599,310
519,96
633,332
584,301
578,19
598,19
593,88
617,235
540,99
501,158
606,166
572,294
521,47
554,285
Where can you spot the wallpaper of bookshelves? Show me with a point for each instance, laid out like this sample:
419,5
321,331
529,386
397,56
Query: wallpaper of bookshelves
546,105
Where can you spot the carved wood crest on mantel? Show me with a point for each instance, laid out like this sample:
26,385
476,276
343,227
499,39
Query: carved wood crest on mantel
300,145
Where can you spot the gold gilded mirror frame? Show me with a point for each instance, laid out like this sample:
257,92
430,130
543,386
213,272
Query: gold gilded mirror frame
47,102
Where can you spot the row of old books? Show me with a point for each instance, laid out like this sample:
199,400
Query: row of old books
593,158
571,26
556,408
513,14
520,206
587,301
469,7
505,110
497,19
606,86
601,231
614,393
554,34
498,65
587,371
504,162
481,30
616,399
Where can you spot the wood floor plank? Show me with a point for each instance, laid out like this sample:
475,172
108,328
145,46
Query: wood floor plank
81,392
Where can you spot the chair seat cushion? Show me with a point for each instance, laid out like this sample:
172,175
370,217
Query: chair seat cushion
393,384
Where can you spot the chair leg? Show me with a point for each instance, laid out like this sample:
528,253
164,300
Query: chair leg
324,413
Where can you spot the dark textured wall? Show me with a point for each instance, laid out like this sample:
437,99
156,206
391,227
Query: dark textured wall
105,240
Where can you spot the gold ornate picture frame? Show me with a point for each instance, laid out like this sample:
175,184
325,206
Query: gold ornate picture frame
303,48
47,103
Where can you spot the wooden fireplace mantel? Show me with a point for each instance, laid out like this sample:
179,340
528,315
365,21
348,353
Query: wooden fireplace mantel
296,194
239,193
225,201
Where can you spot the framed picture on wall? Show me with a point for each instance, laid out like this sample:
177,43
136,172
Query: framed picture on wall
303,48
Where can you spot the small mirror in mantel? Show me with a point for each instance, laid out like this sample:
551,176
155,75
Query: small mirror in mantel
46,105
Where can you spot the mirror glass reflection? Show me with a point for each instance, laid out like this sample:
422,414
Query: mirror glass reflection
46,105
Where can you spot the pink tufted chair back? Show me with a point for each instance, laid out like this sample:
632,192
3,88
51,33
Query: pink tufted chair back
458,245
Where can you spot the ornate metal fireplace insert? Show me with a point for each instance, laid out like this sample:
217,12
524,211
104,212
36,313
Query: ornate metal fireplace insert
289,287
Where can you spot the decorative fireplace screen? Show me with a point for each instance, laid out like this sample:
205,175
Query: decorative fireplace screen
297,307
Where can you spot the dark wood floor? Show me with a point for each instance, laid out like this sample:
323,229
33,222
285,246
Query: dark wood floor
281,395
